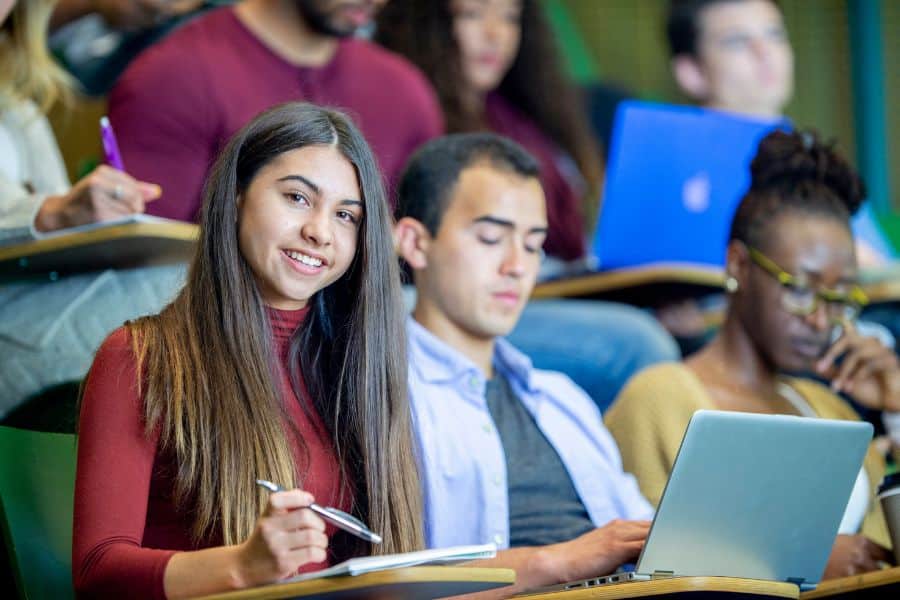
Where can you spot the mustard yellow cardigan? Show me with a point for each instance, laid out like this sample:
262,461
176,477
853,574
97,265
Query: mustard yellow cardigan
649,417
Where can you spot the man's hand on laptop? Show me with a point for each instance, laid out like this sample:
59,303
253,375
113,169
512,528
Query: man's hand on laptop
854,554
600,551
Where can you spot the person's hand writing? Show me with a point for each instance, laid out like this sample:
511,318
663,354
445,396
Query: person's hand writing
868,370
103,195
600,551
854,554
286,537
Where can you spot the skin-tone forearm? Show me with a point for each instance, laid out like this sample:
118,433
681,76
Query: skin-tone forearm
534,567
202,572
286,537
597,552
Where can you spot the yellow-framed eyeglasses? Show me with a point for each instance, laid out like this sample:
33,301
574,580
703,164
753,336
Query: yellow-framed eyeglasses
802,300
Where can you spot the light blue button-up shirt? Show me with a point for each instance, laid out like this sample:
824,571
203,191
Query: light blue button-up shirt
463,463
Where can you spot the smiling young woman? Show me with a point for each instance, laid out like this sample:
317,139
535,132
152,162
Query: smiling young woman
271,363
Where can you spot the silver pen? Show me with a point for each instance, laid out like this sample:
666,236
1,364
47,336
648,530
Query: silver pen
336,517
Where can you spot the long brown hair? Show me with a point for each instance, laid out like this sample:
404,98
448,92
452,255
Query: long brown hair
535,83
209,366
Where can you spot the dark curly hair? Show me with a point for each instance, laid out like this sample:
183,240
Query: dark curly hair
795,172
536,84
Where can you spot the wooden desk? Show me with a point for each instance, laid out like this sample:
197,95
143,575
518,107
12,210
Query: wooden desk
878,584
680,588
116,246
415,583
643,286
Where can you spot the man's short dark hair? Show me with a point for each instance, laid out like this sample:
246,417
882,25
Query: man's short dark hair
431,174
683,24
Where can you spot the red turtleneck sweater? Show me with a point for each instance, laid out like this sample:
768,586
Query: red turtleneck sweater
126,524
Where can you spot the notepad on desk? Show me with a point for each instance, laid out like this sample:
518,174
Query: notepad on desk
134,241
370,564
134,219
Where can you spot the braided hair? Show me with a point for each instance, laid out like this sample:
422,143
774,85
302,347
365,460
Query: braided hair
795,172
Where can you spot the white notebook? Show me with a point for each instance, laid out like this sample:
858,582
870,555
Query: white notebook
127,220
368,564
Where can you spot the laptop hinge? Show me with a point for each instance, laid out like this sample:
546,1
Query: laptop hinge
799,582
657,574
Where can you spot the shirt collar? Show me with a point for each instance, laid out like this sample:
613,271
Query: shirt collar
437,362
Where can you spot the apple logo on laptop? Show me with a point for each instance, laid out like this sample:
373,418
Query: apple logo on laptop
695,193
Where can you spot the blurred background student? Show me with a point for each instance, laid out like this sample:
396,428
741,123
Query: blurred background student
177,103
736,56
49,330
495,67
793,297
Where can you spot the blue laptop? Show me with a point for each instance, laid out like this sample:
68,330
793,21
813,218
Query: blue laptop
675,177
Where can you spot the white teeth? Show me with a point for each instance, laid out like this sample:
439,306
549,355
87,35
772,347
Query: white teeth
306,260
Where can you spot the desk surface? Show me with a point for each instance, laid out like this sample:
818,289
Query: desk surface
648,284
408,584
117,246
638,285
877,584
680,588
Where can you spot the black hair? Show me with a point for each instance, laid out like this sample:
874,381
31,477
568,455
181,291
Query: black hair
683,23
431,174
795,172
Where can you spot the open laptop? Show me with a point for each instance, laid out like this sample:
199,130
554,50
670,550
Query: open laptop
751,496
674,179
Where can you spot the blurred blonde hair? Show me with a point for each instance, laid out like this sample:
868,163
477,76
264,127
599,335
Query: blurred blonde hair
27,69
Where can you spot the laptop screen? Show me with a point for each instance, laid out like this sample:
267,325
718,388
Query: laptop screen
675,177
755,496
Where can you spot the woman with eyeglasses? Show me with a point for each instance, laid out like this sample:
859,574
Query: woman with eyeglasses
793,297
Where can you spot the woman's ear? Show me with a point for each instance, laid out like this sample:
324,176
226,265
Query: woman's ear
737,263
411,241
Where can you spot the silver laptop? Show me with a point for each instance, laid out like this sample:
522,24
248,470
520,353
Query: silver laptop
751,496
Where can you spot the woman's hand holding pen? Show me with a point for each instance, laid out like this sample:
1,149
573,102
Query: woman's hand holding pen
868,370
105,194
286,537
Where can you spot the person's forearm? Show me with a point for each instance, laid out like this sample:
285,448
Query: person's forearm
202,572
67,11
534,567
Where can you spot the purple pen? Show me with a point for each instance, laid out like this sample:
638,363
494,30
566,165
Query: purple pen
110,147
